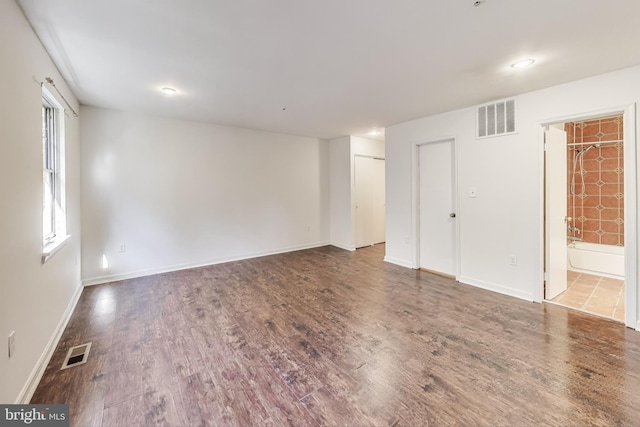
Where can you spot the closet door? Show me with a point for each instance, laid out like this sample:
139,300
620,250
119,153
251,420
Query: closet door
437,207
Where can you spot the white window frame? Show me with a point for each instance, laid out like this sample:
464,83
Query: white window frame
54,230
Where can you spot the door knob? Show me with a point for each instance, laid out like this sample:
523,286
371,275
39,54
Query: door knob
452,214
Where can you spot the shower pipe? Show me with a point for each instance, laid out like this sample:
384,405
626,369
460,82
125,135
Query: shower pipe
575,144
578,166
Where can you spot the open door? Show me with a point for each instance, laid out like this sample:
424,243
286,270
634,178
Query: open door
555,212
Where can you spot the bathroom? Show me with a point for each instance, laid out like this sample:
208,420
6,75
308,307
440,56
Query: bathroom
595,217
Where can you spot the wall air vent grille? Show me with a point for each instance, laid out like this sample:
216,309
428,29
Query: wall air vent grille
495,119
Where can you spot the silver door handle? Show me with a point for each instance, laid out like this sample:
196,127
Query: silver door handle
452,214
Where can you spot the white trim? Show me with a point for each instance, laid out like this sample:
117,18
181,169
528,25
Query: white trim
38,370
539,292
631,283
159,270
496,288
343,246
53,247
398,261
366,156
415,206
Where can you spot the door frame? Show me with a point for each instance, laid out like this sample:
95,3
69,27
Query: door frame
630,204
415,201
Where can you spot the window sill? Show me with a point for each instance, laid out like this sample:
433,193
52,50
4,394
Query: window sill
52,247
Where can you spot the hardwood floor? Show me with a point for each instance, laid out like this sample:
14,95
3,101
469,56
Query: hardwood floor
330,337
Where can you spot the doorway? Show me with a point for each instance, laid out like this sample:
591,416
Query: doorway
585,217
437,205
369,191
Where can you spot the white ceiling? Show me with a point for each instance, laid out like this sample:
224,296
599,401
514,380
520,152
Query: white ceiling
339,67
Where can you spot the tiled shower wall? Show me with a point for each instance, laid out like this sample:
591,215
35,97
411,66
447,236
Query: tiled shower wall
597,207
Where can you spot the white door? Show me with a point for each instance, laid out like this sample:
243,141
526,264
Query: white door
556,211
369,191
437,206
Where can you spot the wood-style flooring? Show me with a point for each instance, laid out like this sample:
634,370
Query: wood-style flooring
326,337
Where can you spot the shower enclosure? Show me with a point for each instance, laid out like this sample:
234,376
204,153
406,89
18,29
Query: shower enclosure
595,204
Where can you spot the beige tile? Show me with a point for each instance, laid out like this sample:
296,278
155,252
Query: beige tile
580,290
605,297
573,302
572,275
611,283
618,314
594,294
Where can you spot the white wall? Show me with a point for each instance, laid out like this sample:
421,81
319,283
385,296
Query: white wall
340,193
342,161
366,147
178,193
505,218
33,297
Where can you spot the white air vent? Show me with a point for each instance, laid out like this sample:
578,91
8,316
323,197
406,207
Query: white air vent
76,356
498,118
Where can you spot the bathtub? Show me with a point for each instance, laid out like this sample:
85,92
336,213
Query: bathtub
592,258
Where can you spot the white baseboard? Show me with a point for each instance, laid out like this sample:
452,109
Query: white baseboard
400,262
167,269
496,288
343,246
38,370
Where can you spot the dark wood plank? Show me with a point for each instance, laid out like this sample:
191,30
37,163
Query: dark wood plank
330,337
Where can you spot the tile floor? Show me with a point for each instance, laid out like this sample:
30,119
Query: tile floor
602,296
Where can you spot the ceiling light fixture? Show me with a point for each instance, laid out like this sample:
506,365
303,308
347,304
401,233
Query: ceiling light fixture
168,90
374,133
523,64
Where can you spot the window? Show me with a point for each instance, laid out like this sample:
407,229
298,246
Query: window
54,221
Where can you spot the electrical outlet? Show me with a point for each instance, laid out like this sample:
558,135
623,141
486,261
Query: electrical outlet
513,260
12,343
123,247
406,239
473,192
308,228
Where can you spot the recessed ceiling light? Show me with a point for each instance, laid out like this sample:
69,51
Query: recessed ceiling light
168,90
522,64
374,132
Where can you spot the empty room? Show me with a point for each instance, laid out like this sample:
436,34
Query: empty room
248,213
